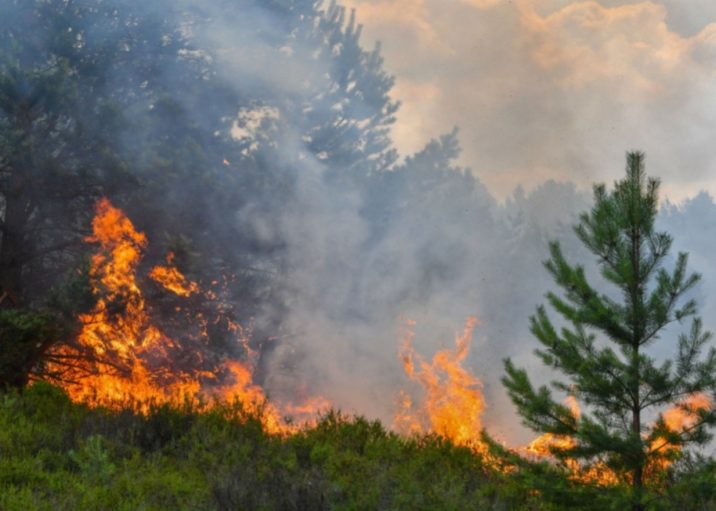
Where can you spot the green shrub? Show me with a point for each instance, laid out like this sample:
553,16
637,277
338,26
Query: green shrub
56,455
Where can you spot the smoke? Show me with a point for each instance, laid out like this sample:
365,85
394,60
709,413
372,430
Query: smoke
424,240
286,176
555,89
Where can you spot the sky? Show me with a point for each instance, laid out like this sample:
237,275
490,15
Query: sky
555,89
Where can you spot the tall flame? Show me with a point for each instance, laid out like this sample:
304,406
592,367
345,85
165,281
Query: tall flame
121,357
452,405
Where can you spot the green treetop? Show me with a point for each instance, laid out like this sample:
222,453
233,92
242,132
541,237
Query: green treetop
602,349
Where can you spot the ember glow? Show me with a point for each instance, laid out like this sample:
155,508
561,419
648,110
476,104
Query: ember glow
122,358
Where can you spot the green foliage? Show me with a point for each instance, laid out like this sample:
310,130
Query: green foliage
57,455
611,373
93,460
73,295
693,485
24,335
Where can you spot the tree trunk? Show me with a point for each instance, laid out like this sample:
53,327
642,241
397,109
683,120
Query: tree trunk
12,251
638,482
637,300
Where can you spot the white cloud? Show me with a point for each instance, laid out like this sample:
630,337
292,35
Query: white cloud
555,88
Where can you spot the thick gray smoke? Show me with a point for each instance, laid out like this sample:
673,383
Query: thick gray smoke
426,242
555,88
339,240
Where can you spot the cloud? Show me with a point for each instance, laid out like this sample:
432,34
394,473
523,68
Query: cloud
554,89
405,19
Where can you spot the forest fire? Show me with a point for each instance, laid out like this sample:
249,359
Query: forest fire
121,357
284,183
453,403
683,417
677,419
172,279
542,447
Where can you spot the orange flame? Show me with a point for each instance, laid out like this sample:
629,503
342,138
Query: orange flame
680,418
677,419
542,446
121,358
684,415
172,279
453,403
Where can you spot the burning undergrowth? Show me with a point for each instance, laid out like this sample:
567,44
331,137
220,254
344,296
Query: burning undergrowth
122,358
452,401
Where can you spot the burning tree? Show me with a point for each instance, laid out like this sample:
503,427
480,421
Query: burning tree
69,74
622,386
122,359
90,108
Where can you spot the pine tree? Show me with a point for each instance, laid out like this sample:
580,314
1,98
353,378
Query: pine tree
602,349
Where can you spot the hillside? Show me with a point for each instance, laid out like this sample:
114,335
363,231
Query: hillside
57,455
